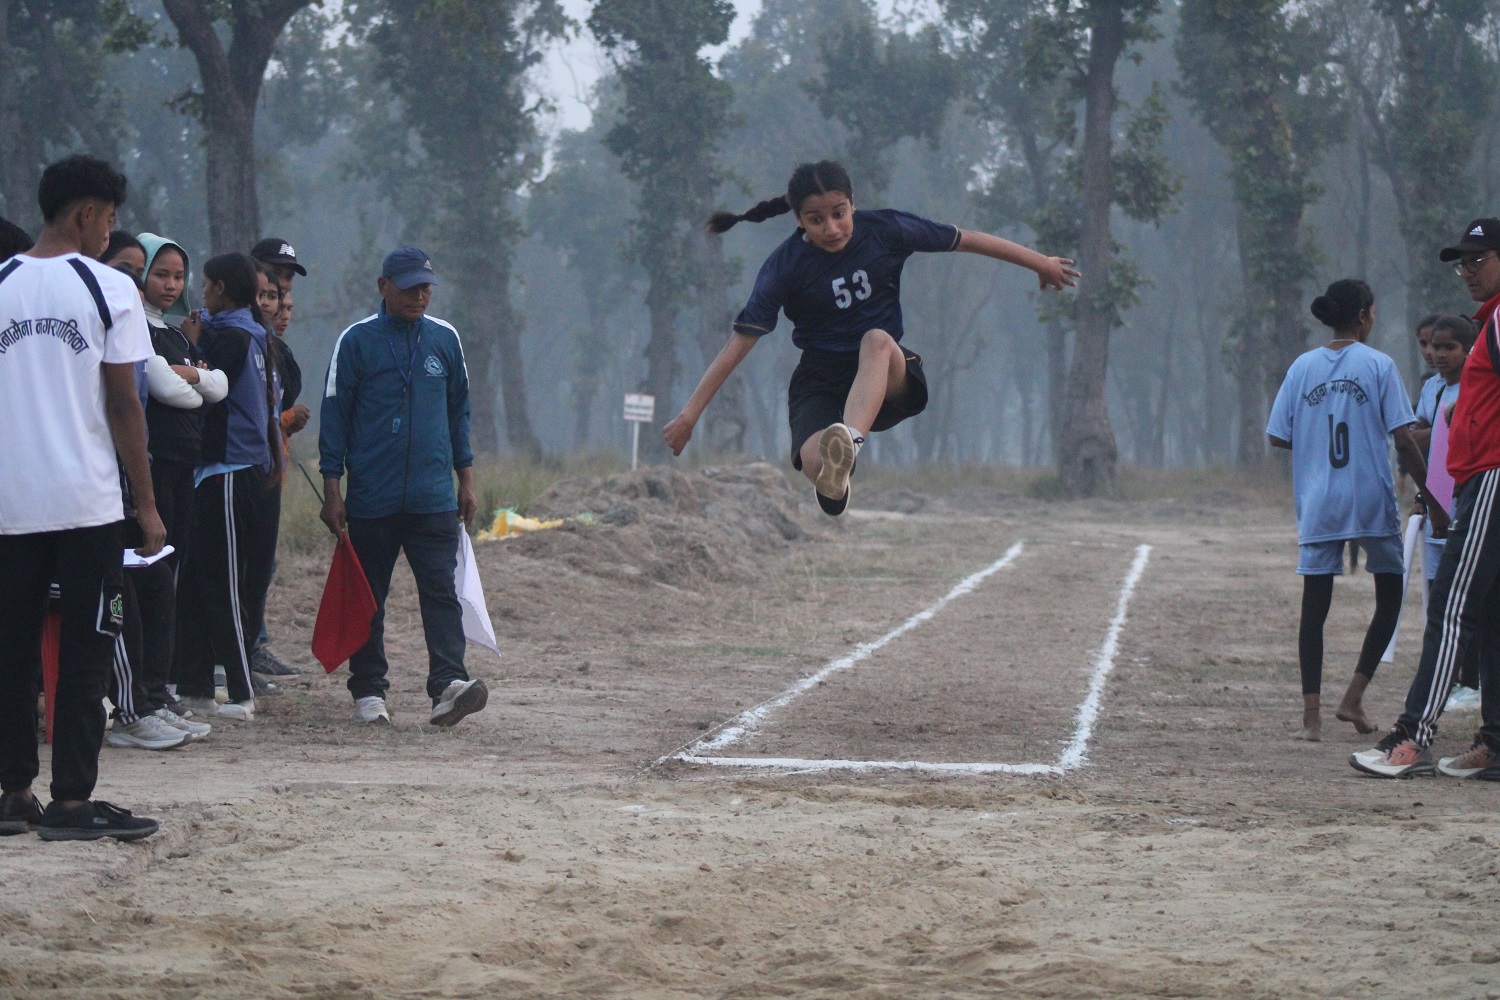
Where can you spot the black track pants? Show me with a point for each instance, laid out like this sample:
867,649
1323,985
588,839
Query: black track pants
223,585
85,563
1463,614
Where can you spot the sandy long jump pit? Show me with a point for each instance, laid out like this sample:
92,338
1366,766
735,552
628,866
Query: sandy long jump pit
1006,651
555,846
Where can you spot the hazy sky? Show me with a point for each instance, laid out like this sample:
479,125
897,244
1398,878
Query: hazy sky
571,69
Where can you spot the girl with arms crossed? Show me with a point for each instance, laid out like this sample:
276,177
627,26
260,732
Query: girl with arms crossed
838,278
1334,410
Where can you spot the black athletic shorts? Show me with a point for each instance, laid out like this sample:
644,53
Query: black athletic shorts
820,388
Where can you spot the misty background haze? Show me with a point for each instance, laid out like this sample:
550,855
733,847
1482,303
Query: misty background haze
361,143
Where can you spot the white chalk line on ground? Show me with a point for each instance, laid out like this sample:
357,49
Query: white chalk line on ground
748,720
1073,756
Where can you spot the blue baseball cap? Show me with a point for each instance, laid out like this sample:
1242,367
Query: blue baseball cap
407,267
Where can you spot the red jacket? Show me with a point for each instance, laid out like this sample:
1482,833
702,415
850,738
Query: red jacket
1474,435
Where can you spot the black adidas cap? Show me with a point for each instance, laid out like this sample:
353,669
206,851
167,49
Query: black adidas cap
1482,235
274,250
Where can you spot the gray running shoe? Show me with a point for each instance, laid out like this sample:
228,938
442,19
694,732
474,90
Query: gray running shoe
459,699
197,730
147,733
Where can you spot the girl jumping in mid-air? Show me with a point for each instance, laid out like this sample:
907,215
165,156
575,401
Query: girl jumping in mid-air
1334,410
838,278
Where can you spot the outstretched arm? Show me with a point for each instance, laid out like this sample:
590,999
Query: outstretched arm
679,429
1052,272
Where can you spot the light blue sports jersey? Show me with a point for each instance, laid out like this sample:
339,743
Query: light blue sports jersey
1337,409
1427,397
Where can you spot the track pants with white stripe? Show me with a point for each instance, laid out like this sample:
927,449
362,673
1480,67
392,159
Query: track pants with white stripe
223,586
1463,614
127,689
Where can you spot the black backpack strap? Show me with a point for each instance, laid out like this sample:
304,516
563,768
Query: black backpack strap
94,290
9,269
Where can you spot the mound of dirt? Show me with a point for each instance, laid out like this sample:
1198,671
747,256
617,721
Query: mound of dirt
677,528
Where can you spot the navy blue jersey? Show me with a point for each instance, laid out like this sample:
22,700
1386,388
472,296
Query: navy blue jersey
834,299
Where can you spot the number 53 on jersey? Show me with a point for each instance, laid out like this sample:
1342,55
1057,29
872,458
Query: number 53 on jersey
845,291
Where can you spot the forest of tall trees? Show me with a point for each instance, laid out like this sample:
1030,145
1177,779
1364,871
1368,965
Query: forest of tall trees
1211,164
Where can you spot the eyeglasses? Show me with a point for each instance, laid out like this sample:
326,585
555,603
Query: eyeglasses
1464,267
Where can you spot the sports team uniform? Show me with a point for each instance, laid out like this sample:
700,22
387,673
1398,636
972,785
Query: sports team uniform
833,300
1338,408
1463,608
61,318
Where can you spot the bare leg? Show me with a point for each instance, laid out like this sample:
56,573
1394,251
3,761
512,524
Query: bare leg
882,374
812,459
1312,719
1351,709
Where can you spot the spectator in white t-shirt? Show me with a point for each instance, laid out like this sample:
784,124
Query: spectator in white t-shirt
71,333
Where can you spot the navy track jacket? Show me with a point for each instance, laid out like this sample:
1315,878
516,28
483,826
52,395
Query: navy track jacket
396,416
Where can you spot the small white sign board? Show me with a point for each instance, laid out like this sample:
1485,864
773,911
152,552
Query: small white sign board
639,408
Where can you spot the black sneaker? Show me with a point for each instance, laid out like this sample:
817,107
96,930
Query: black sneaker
263,661
833,508
18,815
94,820
263,686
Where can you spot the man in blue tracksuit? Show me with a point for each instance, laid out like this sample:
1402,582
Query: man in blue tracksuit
396,417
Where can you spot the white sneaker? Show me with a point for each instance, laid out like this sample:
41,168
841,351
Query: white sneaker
147,733
371,708
197,730
244,711
1462,699
198,706
460,698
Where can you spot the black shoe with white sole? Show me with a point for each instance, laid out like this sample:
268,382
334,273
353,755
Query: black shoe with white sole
459,699
18,815
94,820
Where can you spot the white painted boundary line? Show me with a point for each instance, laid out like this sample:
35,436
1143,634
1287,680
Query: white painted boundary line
749,719
1075,755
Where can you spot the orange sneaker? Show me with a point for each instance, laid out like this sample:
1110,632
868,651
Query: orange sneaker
1479,757
1396,756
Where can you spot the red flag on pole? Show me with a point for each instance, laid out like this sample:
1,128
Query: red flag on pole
345,612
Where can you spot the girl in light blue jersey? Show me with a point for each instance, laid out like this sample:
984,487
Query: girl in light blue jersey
1334,411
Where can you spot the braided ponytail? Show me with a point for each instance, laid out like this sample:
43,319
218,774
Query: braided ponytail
807,180
722,222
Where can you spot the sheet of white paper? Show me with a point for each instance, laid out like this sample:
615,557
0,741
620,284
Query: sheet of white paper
133,561
477,625
1409,561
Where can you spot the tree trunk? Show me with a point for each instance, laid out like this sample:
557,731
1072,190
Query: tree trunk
661,362
233,206
1057,383
518,429
725,421
1249,360
12,167
231,88
1088,453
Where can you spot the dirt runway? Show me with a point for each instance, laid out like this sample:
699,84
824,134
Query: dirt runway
535,851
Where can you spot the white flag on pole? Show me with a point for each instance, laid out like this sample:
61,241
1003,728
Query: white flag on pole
1410,560
477,625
